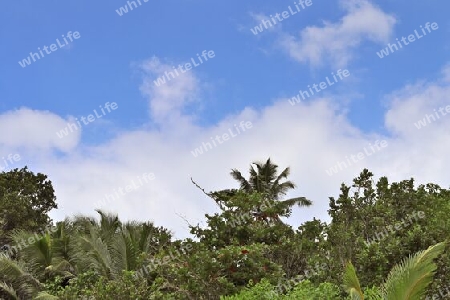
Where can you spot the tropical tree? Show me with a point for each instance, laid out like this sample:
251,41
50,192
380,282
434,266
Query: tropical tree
76,246
20,281
16,281
376,223
25,200
264,180
36,259
109,247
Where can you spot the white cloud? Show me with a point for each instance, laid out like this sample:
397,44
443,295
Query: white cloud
33,129
411,104
335,42
423,153
168,100
308,137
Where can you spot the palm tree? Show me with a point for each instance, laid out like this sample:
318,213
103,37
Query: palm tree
110,247
22,279
82,244
406,281
17,282
264,180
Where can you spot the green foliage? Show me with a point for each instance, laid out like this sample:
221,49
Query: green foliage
221,272
351,283
25,200
16,281
377,224
265,180
410,279
240,223
304,290
245,250
91,286
406,281
372,293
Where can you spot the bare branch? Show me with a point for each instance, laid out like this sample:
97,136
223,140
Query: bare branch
210,195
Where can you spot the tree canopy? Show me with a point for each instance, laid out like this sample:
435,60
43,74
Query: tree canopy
25,200
385,240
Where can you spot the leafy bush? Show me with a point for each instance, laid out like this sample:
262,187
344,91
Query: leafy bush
92,286
304,290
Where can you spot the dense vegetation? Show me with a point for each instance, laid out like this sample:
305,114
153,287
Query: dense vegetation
385,241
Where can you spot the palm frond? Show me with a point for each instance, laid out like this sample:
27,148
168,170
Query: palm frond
299,201
9,290
45,296
278,188
283,188
409,279
124,254
109,224
63,245
268,171
146,242
93,253
244,184
10,268
351,283
15,275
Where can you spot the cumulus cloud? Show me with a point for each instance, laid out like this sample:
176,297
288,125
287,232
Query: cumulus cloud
34,129
335,42
418,118
168,100
309,137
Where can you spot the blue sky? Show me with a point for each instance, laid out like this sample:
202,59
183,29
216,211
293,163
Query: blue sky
251,77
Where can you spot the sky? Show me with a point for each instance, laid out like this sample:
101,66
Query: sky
92,94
